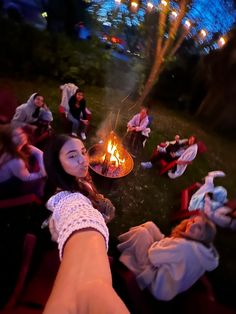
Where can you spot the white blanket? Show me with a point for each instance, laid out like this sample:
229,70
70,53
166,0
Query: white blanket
188,155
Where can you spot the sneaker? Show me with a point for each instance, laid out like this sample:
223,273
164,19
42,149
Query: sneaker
146,165
74,134
83,136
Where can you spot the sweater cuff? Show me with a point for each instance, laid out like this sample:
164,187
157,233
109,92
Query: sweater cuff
92,220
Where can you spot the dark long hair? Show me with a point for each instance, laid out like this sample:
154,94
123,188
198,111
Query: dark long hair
58,178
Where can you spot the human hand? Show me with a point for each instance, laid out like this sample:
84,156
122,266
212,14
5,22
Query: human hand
106,208
45,106
53,230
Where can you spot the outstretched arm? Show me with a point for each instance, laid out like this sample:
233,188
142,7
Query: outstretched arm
83,283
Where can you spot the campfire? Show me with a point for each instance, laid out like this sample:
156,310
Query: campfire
110,159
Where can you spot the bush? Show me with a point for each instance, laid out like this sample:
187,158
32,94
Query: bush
30,53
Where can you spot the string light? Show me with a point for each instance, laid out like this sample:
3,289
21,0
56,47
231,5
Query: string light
149,5
134,5
174,14
221,42
163,2
203,33
187,24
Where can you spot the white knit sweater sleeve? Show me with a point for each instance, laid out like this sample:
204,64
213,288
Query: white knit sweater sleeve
72,212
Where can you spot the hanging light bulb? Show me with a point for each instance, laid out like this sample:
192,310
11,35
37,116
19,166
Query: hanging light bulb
187,24
221,42
163,2
149,6
134,5
203,33
174,14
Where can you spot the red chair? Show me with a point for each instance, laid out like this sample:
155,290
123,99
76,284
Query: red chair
186,195
27,253
35,280
20,200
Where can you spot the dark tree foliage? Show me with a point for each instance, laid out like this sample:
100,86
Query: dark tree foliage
218,107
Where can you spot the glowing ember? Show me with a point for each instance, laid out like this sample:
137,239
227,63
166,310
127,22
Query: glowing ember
110,159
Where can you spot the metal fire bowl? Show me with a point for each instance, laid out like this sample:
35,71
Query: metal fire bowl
95,154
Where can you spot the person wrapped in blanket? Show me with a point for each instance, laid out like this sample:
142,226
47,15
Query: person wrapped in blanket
164,265
212,200
169,151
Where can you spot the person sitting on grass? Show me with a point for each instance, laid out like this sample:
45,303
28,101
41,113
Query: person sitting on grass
77,114
169,151
21,164
212,200
167,266
34,116
137,131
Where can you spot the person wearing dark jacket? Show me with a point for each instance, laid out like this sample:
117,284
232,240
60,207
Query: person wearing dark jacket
77,114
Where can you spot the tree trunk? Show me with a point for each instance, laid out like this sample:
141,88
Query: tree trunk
150,82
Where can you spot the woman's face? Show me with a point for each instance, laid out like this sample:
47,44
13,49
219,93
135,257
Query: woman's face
74,159
39,101
191,140
79,96
19,138
195,227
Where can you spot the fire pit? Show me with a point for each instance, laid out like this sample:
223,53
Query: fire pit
110,159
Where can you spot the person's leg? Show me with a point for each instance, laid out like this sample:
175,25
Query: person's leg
131,141
75,123
157,156
83,130
134,246
154,159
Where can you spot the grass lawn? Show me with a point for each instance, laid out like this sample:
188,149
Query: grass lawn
144,195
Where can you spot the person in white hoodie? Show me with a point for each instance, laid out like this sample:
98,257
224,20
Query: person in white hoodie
167,266
33,114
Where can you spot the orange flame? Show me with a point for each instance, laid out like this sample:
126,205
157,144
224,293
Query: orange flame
114,155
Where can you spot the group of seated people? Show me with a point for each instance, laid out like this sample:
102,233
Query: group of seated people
35,117
79,215
182,151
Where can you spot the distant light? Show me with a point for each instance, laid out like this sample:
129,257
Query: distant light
203,33
163,2
174,14
221,42
44,14
134,5
149,5
118,1
187,24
